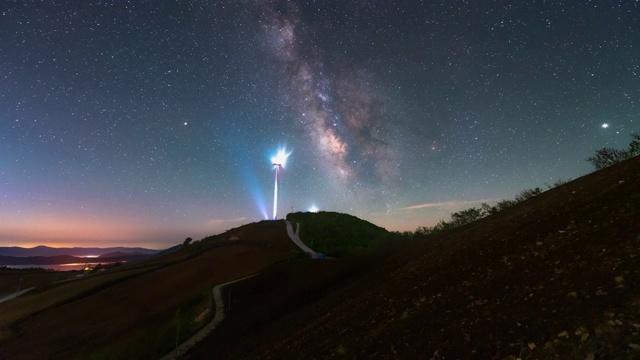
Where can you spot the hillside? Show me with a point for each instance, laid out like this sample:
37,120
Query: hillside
130,311
554,277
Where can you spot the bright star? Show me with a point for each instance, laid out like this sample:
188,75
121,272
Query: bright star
605,125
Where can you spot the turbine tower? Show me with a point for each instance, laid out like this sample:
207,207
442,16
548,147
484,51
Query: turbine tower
278,162
275,192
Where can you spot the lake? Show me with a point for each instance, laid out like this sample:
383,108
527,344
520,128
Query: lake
59,267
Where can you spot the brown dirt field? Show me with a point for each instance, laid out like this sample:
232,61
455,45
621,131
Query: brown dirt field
555,277
38,300
105,316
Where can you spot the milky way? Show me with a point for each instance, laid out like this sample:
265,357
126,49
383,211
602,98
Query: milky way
339,110
147,122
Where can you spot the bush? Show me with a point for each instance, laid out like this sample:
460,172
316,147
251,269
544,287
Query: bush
606,157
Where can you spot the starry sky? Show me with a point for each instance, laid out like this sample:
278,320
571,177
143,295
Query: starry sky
141,123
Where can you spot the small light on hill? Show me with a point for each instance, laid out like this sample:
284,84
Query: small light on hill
313,209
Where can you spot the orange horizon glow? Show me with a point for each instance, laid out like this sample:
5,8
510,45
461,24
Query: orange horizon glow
86,229
80,233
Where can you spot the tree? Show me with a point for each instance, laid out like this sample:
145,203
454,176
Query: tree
488,209
504,204
466,216
423,231
557,183
634,145
608,156
527,194
442,226
186,242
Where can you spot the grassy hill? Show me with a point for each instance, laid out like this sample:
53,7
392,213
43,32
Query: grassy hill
554,277
336,234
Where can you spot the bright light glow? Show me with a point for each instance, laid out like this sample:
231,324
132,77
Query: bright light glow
313,208
281,157
605,125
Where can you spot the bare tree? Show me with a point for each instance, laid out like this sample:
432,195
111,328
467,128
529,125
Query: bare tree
608,156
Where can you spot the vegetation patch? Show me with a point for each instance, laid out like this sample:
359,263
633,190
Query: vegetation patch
336,234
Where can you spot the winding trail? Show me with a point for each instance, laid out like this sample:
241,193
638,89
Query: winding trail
15,295
219,303
207,329
295,237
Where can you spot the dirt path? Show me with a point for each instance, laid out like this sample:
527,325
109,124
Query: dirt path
205,331
219,302
295,237
15,295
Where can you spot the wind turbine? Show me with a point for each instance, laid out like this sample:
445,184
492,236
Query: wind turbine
278,161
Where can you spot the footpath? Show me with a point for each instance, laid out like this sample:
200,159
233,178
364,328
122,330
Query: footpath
295,237
217,319
219,303
15,295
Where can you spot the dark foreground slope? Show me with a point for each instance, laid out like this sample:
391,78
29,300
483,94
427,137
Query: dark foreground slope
555,277
106,313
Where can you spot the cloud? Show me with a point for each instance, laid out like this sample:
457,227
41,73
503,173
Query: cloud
225,221
443,204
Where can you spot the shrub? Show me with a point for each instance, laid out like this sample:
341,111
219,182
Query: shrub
608,156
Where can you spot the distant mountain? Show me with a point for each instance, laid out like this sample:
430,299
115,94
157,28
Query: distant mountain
122,254
42,250
170,250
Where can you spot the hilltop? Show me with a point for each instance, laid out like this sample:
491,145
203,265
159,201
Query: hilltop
555,276
337,234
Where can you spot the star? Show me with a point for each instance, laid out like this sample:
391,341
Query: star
451,103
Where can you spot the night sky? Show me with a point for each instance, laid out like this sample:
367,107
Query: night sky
145,122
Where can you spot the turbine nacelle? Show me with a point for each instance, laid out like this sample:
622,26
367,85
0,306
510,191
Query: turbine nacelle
281,158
